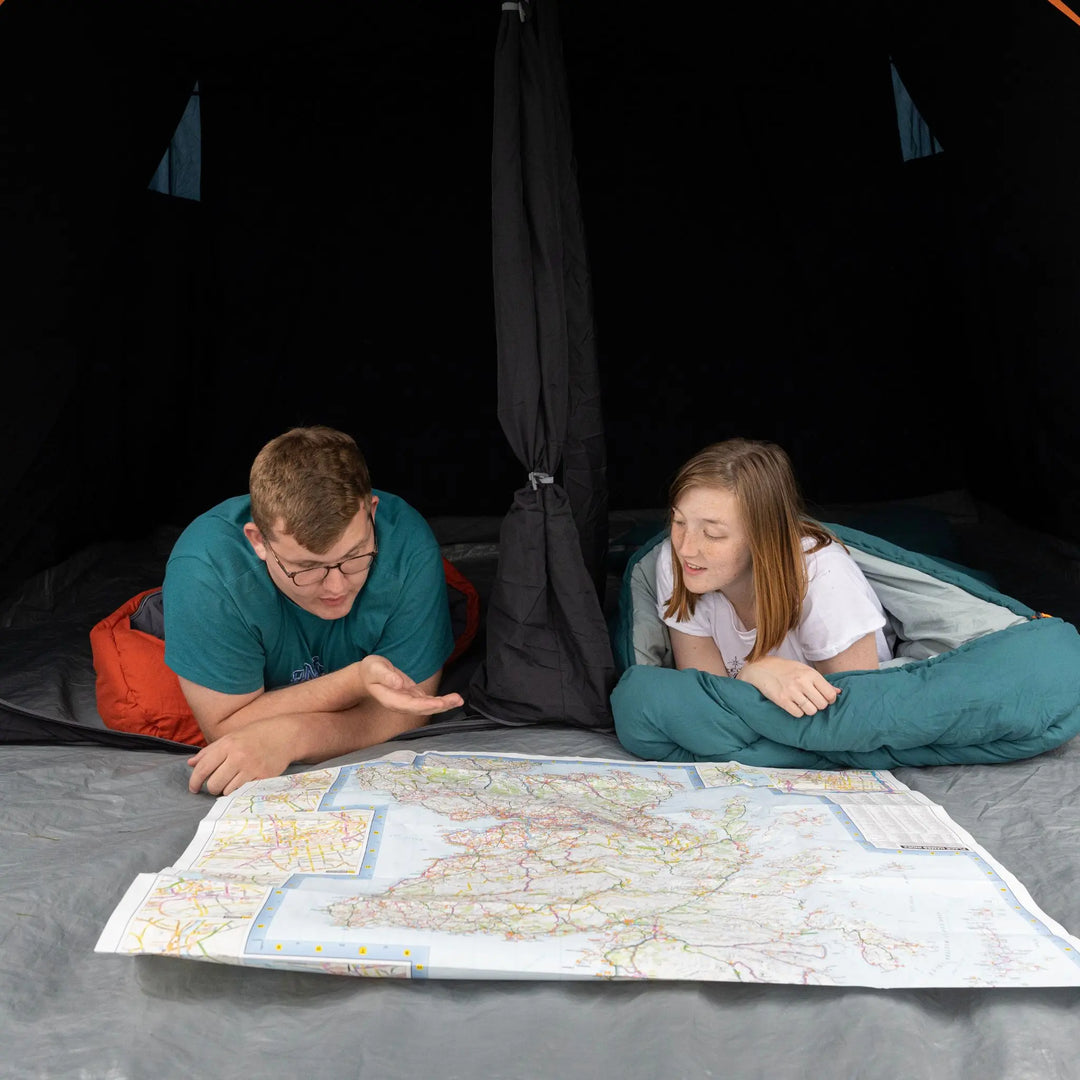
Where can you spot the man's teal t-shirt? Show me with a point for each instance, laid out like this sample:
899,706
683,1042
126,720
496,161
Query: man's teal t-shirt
228,626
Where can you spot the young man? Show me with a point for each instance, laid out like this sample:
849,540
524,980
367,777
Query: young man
308,619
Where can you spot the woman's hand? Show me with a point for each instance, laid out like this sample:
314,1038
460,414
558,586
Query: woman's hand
797,688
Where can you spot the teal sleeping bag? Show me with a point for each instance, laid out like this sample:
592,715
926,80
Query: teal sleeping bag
978,678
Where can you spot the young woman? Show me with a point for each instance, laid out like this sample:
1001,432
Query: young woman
751,588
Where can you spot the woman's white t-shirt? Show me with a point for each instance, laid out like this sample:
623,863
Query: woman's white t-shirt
840,608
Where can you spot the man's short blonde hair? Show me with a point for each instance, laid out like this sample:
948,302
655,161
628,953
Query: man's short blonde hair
309,483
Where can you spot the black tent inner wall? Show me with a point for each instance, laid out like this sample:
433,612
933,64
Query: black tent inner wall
763,259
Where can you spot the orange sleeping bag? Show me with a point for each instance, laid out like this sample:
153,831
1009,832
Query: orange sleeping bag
136,692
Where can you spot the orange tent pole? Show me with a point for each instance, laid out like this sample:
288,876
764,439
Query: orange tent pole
1057,3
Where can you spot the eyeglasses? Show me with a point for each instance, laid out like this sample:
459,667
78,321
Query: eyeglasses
313,575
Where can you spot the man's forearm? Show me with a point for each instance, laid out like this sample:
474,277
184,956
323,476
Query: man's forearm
275,729
331,693
315,737
333,714
269,746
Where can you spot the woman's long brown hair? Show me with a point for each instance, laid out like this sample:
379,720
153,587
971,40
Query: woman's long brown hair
760,476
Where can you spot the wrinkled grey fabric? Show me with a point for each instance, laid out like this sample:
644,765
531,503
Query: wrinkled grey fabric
80,822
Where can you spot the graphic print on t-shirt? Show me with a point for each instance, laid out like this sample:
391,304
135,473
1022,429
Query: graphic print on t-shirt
311,670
